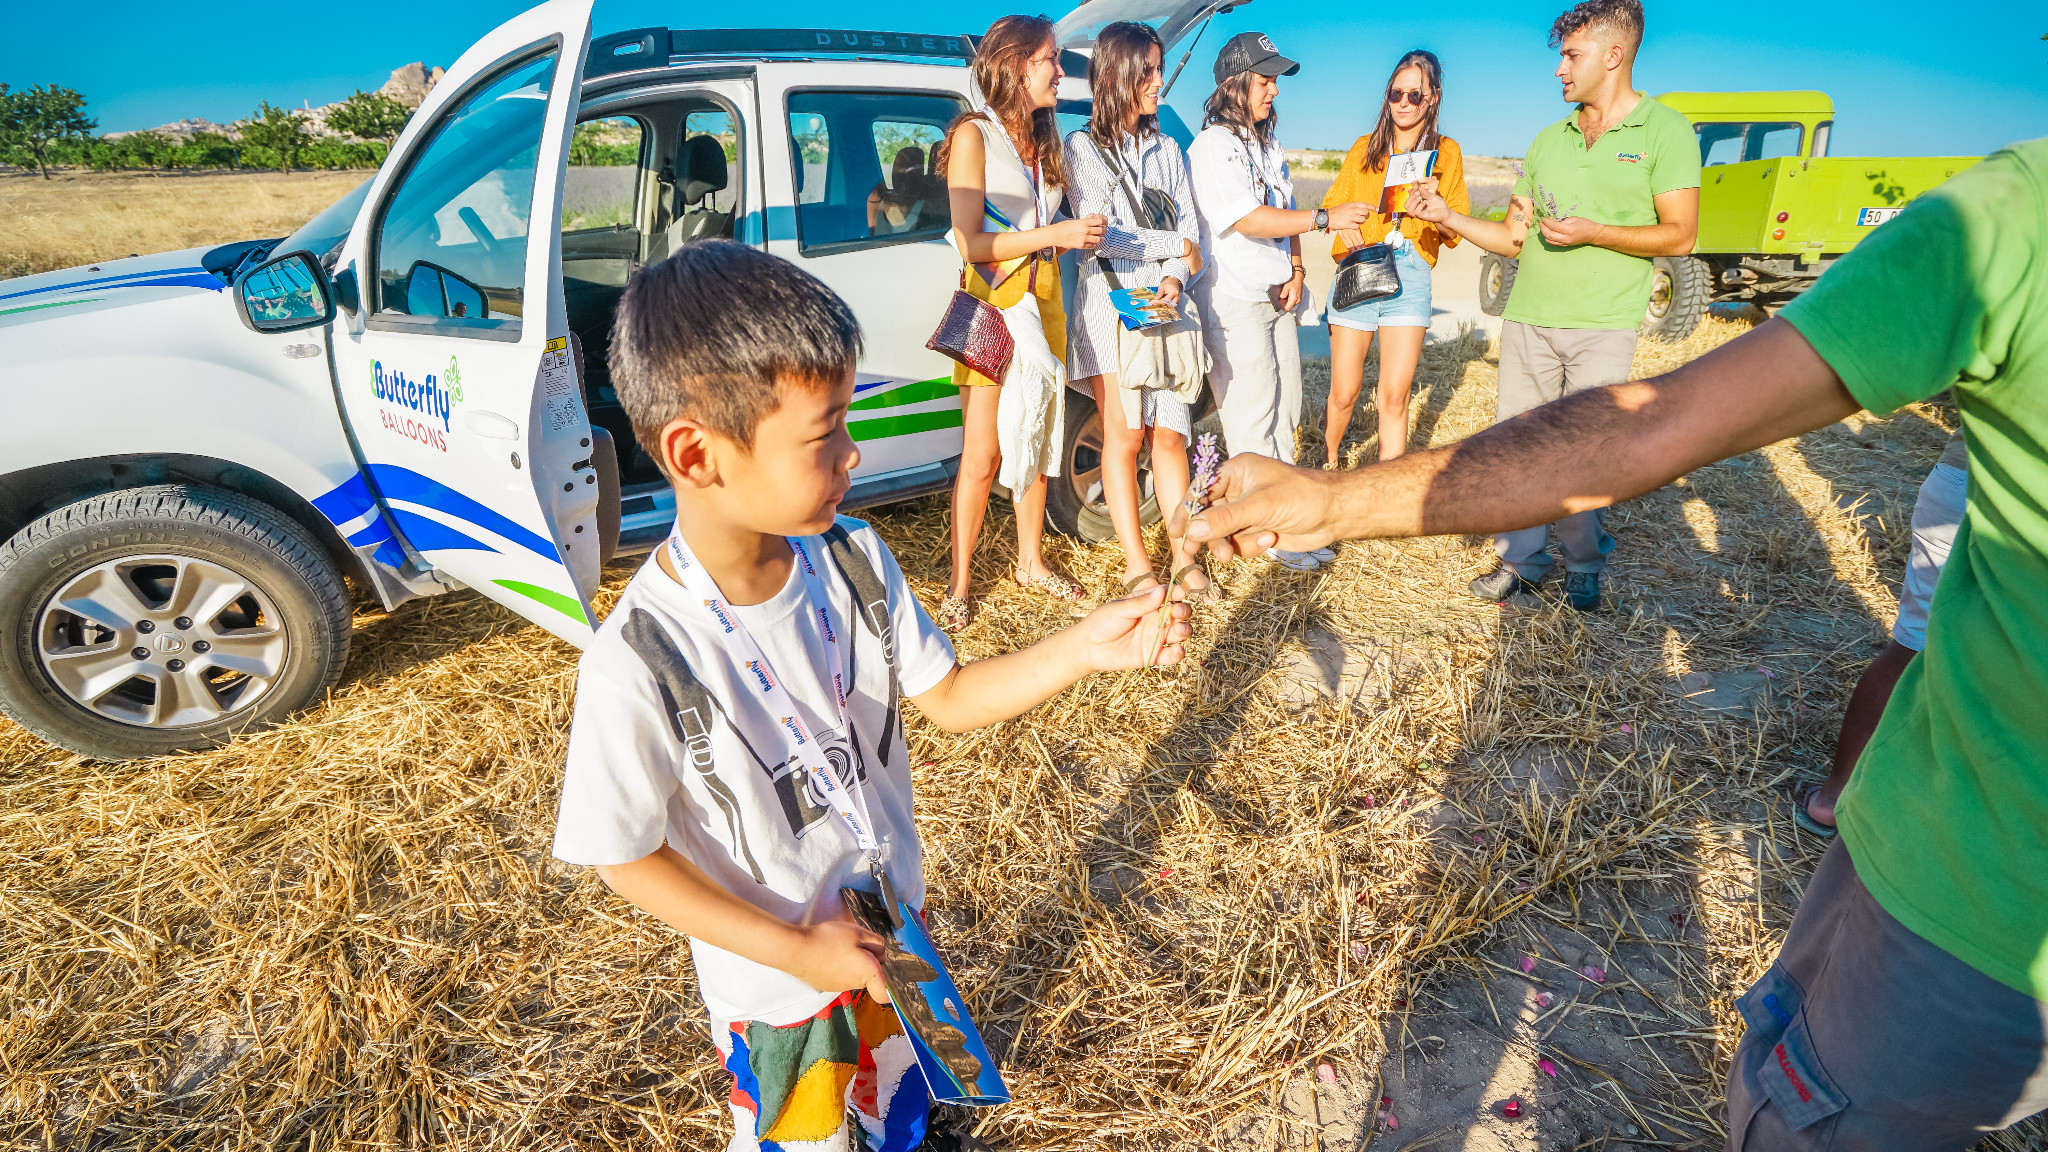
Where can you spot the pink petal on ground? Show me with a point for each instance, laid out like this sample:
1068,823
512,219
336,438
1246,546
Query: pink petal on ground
1596,974
1478,839
1546,1067
1362,896
1386,1103
1628,729
1359,951
1388,1122
1522,886
1326,1074
1544,999
1165,873
1512,1109
1528,964
1369,801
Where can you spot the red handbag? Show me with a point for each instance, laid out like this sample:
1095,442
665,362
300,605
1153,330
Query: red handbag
973,332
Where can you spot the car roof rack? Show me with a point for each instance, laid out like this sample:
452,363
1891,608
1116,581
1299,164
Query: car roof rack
655,47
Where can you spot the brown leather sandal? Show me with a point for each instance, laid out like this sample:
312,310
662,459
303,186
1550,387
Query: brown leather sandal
1052,584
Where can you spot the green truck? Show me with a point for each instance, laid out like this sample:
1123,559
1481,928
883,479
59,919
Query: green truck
1775,209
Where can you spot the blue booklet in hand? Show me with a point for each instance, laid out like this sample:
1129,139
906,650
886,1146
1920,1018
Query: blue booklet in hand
956,1065
1139,308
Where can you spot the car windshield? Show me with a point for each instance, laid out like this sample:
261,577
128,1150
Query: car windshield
323,234
1173,18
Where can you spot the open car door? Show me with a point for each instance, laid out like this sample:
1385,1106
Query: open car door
456,372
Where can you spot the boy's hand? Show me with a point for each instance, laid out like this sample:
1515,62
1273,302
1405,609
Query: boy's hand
838,955
1126,633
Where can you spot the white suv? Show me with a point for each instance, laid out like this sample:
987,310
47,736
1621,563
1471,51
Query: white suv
205,444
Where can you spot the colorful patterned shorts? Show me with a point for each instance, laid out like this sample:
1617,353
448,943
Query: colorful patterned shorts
844,1080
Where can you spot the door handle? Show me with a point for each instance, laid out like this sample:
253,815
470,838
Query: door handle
485,422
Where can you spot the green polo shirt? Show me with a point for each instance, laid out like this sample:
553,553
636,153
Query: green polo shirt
1651,152
1946,815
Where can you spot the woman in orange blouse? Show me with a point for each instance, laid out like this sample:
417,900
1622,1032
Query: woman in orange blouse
1407,124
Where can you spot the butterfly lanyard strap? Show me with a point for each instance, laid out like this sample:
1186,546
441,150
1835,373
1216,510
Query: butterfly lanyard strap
845,800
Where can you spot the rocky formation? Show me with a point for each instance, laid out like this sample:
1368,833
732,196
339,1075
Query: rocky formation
408,85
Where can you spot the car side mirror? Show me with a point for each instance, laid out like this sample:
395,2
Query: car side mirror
431,290
284,294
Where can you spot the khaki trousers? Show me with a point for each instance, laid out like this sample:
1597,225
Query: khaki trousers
1538,365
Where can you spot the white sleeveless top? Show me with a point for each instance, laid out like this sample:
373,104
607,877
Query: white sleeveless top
1008,184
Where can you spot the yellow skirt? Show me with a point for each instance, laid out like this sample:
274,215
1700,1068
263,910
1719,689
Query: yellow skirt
1052,311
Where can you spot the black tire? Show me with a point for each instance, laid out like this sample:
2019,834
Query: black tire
1679,292
138,554
1496,280
1073,499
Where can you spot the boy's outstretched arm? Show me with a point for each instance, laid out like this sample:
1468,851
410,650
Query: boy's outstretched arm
1123,633
831,957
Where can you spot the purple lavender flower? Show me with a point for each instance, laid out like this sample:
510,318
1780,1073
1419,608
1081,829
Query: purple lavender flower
1205,472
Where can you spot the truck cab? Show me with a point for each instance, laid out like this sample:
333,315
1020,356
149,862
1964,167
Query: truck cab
410,392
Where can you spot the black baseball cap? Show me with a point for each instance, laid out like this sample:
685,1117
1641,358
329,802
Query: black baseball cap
1252,52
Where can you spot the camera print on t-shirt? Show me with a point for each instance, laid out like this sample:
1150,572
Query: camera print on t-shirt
693,712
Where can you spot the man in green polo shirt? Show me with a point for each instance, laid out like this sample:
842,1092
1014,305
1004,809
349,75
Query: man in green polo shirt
1908,1008
1608,187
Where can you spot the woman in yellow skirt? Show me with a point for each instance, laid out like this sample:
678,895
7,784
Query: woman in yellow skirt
1004,180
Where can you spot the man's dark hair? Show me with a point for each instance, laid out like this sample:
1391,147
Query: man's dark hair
1624,18
712,331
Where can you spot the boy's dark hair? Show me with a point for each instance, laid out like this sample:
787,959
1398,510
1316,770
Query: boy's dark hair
1623,17
710,332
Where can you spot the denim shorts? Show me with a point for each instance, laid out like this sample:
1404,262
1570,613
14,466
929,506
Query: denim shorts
1407,308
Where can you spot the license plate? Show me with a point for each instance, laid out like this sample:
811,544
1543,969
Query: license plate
1872,217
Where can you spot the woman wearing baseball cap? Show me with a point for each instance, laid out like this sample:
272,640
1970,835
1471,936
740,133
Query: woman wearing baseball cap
1252,295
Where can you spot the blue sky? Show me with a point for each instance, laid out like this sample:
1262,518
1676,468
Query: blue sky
1905,80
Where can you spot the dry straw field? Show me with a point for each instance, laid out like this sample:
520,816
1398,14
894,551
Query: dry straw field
1206,907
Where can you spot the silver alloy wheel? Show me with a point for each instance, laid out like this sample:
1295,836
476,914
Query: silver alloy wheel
161,641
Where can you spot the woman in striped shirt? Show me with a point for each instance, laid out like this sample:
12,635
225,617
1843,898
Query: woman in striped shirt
1112,163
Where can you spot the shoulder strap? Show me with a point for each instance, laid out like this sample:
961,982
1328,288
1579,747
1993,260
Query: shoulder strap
871,602
691,710
1137,216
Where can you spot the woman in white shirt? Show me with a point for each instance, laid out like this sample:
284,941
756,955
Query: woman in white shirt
1251,232
1004,177
1141,386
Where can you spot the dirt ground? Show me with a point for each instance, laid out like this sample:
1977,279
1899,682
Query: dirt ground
1375,861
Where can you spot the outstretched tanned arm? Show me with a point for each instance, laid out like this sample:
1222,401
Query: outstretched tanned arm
1585,451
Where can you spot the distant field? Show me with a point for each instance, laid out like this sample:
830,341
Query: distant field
80,217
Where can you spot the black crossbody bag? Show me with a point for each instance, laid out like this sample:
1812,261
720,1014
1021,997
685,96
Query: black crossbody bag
1367,274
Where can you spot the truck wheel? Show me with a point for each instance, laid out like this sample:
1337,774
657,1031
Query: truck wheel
1496,280
1679,290
165,619
1073,499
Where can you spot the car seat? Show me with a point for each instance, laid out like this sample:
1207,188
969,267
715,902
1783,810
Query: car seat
703,173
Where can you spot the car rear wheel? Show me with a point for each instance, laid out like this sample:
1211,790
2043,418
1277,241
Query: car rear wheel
1680,287
1073,501
1496,280
165,619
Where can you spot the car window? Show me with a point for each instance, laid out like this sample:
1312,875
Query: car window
452,239
1720,144
1821,132
603,176
1770,141
864,167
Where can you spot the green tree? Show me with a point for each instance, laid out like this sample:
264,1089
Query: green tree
34,120
280,132
369,116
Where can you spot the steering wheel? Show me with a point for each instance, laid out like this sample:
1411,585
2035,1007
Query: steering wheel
492,245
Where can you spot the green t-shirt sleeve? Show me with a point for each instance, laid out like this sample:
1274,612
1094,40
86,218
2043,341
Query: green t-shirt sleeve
1936,294
1675,159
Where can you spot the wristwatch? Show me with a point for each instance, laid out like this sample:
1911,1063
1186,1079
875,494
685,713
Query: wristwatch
1322,219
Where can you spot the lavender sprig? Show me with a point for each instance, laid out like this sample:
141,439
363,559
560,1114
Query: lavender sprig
1206,463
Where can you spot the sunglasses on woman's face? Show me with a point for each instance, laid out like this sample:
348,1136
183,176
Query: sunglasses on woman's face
1413,96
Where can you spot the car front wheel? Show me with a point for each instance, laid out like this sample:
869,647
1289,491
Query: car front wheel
165,619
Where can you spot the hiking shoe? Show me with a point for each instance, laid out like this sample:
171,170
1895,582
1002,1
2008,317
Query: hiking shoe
1582,590
1501,585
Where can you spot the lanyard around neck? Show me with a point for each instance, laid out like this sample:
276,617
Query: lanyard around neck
846,800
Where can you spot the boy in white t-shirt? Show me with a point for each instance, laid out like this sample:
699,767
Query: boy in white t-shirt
690,785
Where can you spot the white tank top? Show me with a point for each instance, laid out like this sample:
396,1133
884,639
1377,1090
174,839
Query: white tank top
1008,184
